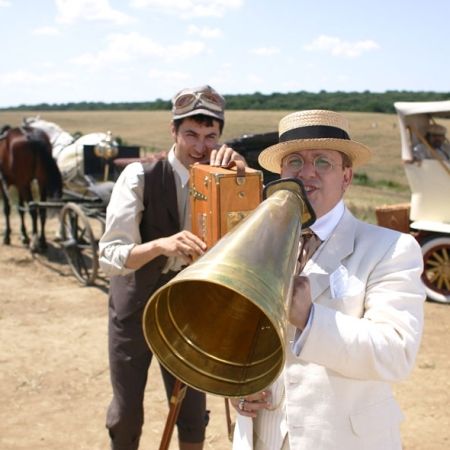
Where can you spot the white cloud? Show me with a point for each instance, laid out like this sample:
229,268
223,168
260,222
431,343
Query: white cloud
70,11
191,8
46,31
265,51
338,47
24,77
5,3
122,48
185,50
205,32
255,79
167,75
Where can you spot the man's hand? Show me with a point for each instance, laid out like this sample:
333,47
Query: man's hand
224,155
184,245
300,305
251,404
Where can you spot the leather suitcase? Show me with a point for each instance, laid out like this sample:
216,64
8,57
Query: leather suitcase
221,198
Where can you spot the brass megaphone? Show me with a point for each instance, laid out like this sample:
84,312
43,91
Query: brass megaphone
219,325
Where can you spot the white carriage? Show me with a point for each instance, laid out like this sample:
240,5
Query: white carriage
429,180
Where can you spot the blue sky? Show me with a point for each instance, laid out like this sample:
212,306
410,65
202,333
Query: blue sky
59,51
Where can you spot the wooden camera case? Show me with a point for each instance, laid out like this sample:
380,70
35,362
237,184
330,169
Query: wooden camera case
221,198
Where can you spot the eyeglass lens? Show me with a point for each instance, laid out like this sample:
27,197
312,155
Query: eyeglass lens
320,164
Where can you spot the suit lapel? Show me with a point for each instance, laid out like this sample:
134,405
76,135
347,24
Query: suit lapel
330,254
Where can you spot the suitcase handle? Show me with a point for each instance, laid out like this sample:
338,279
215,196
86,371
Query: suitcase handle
240,170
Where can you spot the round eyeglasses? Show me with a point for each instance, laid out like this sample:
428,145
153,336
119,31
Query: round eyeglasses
321,164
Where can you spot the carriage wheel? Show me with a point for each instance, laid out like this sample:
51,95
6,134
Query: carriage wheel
436,273
79,244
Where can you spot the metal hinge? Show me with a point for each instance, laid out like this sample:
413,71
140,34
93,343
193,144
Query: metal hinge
196,194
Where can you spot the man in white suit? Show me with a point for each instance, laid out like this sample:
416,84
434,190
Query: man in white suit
355,316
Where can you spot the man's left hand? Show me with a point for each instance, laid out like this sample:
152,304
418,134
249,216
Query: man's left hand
251,404
223,155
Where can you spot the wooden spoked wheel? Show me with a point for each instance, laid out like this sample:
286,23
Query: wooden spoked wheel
79,244
436,273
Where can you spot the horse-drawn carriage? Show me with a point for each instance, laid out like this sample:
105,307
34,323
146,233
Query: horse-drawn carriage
427,216
88,171
82,215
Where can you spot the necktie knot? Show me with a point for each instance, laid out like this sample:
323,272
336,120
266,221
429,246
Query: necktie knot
307,233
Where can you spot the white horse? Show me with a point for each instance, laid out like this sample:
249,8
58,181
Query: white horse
68,152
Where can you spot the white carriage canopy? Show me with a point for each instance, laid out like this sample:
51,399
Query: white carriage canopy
416,116
429,179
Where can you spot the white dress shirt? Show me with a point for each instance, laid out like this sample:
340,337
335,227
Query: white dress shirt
124,215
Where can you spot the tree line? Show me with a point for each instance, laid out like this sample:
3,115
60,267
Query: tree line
338,101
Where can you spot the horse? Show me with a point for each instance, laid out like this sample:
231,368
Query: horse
26,155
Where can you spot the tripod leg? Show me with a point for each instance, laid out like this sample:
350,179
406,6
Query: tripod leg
178,393
230,424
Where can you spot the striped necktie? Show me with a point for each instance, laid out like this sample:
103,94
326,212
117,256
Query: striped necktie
310,242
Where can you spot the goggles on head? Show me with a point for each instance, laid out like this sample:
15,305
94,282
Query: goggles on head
187,101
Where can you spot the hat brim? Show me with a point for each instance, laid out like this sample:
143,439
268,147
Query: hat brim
271,158
214,114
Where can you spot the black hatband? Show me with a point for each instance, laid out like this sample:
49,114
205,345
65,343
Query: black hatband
314,132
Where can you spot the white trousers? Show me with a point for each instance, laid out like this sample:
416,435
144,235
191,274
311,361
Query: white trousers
261,446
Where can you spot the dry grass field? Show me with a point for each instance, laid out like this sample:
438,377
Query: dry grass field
54,382
150,130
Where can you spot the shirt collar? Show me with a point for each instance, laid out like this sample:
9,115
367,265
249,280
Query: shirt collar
181,171
324,225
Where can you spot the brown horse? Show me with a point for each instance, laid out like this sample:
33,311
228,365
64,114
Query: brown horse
26,155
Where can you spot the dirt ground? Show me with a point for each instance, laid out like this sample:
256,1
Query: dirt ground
54,382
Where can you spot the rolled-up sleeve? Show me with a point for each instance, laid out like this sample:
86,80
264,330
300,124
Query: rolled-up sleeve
123,216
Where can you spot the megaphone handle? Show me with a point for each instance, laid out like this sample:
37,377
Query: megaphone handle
178,393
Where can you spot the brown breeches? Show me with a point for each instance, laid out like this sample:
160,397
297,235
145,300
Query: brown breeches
129,359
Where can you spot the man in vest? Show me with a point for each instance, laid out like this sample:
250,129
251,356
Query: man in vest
355,316
146,243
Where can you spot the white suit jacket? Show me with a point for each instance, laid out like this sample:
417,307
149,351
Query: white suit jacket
365,334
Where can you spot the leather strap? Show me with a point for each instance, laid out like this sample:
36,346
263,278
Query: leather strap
240,170
240,167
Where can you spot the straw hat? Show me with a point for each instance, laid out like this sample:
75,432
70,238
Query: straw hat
309,130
